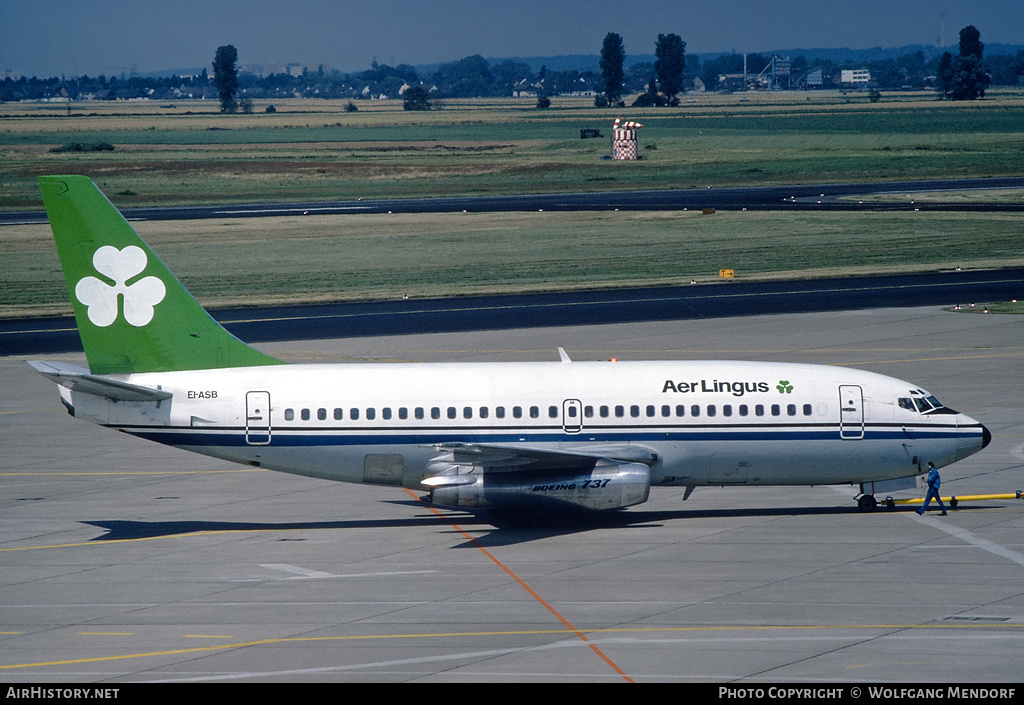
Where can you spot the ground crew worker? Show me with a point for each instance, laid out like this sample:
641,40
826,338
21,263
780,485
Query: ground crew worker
933,491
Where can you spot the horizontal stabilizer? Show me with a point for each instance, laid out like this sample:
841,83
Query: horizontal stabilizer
79,379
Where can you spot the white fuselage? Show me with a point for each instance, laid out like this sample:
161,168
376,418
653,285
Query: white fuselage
701,423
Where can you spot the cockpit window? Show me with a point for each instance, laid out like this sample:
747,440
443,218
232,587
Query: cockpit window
920,401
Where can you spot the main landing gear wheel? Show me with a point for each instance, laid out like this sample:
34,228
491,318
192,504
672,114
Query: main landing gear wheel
867,503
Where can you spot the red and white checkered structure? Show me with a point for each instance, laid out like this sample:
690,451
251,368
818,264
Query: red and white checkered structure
624,144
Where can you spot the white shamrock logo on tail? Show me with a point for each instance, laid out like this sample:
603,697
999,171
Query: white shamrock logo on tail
101,298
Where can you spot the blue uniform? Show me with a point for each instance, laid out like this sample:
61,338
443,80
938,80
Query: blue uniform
933,492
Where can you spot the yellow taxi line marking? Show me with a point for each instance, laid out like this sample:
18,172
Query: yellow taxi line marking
140,538
571,630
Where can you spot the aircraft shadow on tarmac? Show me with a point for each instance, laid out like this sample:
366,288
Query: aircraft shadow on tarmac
501,532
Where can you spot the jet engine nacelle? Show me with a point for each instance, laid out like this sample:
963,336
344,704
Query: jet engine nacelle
610,486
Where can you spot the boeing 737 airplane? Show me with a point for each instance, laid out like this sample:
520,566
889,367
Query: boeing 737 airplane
515,438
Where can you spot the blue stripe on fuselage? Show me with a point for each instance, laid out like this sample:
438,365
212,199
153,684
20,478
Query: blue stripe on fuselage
236,437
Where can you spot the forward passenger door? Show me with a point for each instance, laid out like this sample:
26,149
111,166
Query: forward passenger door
851,412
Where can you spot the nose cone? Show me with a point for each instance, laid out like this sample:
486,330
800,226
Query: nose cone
973,435
977,437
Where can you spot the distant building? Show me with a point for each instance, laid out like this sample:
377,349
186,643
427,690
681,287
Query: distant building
526,89
855,76
581,87
814,79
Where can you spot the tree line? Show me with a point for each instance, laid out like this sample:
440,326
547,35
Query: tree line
613,81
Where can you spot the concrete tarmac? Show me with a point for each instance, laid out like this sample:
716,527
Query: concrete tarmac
124,561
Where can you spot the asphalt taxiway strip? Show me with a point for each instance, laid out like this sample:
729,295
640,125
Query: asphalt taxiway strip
457,315
125,561
790,197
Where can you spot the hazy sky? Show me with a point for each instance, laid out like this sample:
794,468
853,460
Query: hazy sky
74,37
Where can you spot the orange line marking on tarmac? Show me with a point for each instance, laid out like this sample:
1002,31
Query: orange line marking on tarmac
530,590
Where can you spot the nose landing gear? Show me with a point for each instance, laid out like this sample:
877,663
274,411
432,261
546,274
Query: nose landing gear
866,502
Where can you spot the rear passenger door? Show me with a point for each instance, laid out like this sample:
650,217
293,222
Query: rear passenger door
257,418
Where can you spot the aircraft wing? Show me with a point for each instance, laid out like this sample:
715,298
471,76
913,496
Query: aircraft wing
79,379
458,463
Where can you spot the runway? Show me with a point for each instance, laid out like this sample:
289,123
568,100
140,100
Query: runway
788,198
123,561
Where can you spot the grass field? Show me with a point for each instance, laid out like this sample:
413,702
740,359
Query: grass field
310,150
326,258
187,153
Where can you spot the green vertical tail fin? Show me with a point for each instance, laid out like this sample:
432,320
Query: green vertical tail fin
133,315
